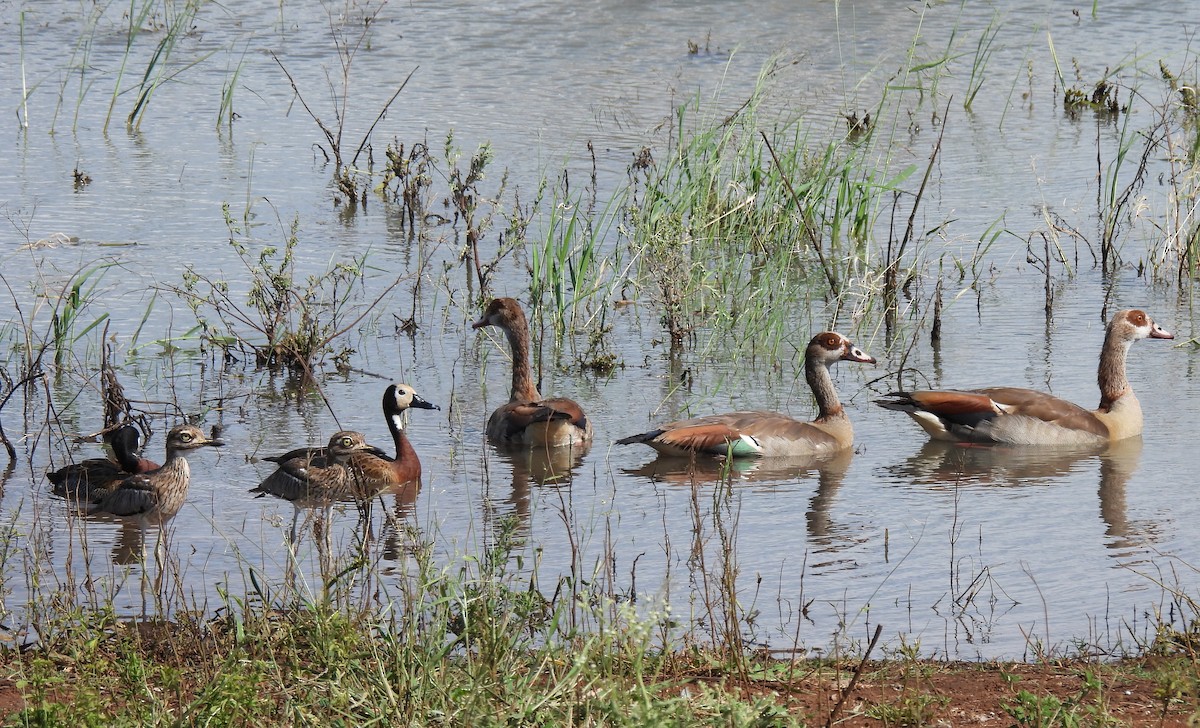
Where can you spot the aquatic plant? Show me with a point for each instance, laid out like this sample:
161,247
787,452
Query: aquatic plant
285,321
465,197
347,51
177,21
983,53
570,265
225,113
138,16
65,303
407,180
733,219
78,292
1189,98
78,66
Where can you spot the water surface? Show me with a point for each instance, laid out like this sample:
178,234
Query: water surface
975,553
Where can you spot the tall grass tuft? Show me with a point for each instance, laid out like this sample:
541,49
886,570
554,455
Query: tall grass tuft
735,224
570,267
67,323
157,68
1114,201
225,114
138,15
983,53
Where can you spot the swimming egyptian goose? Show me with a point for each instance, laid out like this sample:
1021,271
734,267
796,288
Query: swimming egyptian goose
317,474
158,493
1015,416
528,419
770,434
79,480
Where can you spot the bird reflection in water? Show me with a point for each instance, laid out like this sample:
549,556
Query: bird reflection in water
829,470
538,466
314,513
946,464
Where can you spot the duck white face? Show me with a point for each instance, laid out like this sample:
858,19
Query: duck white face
400,397
403,397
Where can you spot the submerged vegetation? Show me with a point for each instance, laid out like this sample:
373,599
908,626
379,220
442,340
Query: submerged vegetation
731,227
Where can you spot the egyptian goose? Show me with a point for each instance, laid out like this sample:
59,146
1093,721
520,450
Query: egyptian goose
1015,416
317,474
159,493
78,480
527,418
770,434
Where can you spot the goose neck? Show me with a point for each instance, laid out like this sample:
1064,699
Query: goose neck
1111,375
817,374
523,389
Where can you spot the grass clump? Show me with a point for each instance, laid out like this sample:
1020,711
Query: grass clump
322,663
1088,706
1102,99
736,225
407,178
570,267
474,644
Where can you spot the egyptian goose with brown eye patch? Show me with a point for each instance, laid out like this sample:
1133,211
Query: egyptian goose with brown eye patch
528,418
79,480
1015,416
770,434
159,493
317,474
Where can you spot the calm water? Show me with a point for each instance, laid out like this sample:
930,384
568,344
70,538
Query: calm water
976,553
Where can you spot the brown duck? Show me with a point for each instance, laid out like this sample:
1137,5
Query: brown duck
371,470
528,418
79,480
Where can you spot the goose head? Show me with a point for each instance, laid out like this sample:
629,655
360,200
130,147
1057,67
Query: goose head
829,347
1134,324
505,313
